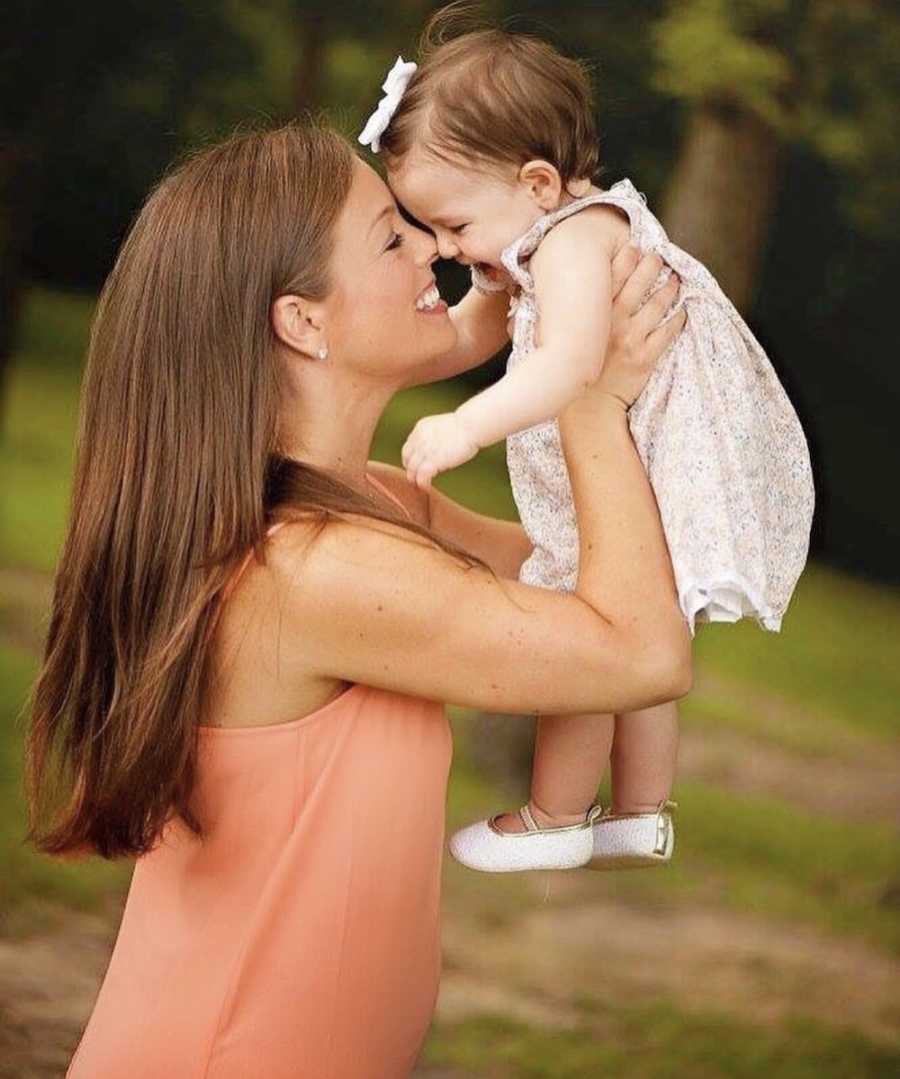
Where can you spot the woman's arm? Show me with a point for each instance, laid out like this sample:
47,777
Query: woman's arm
573,286
367,602
503,545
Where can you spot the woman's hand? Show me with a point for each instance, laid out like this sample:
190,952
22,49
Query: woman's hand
636,338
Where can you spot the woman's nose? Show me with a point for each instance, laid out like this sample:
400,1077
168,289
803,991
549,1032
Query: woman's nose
426,249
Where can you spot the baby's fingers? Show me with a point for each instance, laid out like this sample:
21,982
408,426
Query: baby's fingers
424,475
409,449
411,461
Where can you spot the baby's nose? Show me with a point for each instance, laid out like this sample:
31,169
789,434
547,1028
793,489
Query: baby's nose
447,249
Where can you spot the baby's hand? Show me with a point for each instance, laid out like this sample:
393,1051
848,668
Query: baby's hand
489,279
436,444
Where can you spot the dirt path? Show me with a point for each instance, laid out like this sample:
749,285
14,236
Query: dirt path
47,988
858,787
539,968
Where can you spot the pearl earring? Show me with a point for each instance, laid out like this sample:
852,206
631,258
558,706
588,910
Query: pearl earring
323,352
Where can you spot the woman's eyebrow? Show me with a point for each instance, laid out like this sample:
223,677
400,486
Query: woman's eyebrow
389,209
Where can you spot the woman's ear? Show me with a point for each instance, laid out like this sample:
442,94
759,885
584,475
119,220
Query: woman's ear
299,324
543,183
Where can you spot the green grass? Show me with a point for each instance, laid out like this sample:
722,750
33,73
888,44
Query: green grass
770,859
35,466
835,659
26,875
657,1041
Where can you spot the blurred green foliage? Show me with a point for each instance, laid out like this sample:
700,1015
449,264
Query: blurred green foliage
823,74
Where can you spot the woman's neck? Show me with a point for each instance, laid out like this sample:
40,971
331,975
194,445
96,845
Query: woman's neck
331,426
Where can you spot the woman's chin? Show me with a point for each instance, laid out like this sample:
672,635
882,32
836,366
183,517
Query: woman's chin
435,338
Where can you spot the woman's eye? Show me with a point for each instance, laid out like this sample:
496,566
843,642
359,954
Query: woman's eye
395,243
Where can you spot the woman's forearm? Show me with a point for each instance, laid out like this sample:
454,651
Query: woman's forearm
625,572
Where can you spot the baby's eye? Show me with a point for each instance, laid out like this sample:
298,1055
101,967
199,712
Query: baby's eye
396,242
458,228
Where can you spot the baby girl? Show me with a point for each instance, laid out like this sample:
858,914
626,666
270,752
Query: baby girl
490,142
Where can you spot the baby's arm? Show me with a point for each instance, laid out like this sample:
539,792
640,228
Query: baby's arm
480,320
572,279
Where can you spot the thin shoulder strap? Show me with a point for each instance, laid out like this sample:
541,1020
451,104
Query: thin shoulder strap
271,530
236,576
381,487
515,257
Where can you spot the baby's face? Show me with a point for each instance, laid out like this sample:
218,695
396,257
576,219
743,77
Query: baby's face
473,215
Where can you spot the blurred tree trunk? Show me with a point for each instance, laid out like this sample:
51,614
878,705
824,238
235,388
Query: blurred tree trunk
720,200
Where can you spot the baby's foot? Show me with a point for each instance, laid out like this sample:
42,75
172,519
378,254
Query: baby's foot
633,840
488,845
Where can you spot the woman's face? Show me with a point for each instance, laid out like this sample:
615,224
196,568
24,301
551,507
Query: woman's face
381,318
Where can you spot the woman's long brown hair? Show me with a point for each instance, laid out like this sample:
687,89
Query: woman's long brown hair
177,475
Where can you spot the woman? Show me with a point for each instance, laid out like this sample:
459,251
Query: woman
279,761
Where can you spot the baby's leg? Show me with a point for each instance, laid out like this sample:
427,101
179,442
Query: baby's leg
644,753
570,755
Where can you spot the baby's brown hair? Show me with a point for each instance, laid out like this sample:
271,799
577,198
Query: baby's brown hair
492,96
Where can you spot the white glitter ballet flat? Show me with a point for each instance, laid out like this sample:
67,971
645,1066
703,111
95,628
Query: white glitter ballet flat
633,840
484,847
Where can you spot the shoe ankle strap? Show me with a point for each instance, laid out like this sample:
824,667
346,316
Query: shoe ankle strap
527,819
531,824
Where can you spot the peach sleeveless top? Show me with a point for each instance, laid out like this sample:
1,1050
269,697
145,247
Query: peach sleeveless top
301,938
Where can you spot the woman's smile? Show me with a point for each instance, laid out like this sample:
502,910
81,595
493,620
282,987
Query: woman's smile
429,301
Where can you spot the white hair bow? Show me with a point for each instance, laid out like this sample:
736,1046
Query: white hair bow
394,87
